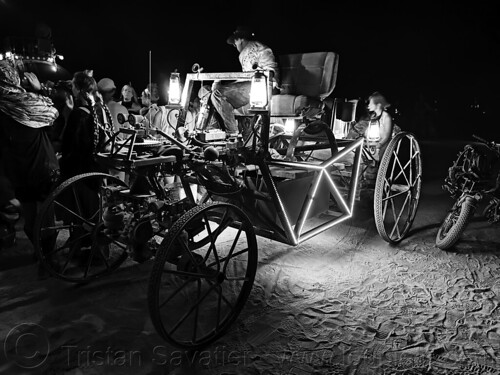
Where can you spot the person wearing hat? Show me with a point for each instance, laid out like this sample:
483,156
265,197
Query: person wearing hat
107,89
29,168
228,96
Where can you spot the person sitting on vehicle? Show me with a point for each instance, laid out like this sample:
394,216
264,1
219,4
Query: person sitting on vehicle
377,105
376,112
228,96
149,100
150,96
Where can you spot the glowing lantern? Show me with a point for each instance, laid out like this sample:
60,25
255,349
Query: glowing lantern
289,125
258,91
373,132
174,90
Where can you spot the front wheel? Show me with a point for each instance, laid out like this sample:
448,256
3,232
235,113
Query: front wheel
455,223
71,239
202,275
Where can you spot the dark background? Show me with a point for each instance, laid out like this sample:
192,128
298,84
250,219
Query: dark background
437,63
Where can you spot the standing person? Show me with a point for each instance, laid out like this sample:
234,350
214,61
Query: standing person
62,97
228,96
27,159
107,89
85,133
129,99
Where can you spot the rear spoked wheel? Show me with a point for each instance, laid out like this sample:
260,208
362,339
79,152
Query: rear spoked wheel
397,187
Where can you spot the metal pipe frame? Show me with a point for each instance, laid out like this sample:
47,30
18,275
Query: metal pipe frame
293,233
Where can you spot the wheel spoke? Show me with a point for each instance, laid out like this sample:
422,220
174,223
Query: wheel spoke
384,210
395,153
177,291
89,263
399,216
395,195
221,295
69,242
77,200
224,223
188,251
417,179
101,253
186,315
219,300
117,243
186,274
394,215
54,228
75,214
195,326
402,170
70,256
232,249
228,257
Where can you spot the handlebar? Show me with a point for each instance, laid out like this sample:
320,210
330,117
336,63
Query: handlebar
492,145
480,139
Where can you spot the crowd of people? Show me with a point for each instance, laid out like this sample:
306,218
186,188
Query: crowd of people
47,137
51,132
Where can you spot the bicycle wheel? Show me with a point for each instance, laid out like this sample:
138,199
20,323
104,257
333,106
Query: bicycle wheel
196,294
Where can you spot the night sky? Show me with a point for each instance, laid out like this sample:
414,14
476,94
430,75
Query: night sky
438,55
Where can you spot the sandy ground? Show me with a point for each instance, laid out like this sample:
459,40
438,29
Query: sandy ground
344,302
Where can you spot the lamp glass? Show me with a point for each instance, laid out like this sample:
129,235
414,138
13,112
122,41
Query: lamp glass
289,125
373,132
174,90
258,91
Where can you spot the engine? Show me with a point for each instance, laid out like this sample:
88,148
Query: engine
139,221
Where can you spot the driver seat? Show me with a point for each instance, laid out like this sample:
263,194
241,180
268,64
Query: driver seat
307,79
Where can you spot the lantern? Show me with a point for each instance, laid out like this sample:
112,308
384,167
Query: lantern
258,91
174,90
373,132
290,125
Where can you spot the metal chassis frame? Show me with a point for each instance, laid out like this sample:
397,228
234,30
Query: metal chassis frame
293,233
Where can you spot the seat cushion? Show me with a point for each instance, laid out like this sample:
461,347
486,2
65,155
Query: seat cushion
293,105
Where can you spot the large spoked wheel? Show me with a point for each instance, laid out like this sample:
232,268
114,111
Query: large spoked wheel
196,292
71,240
455,223
397,188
